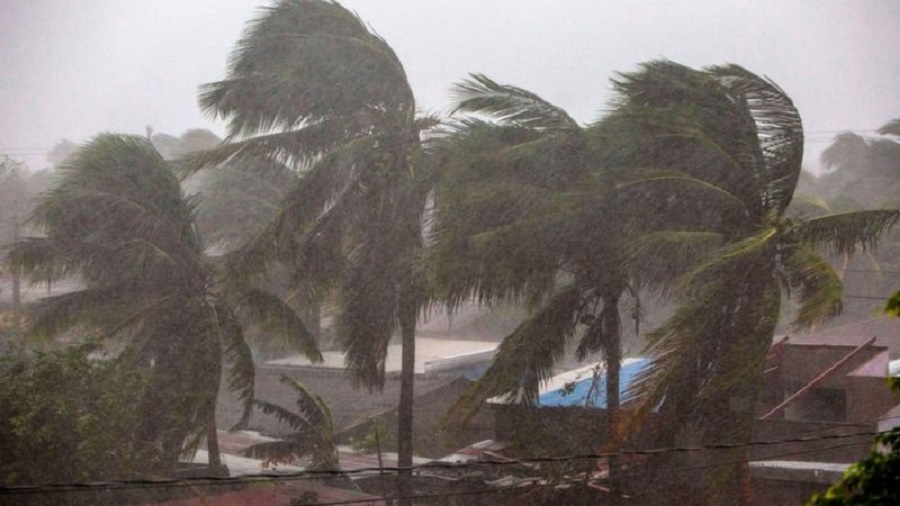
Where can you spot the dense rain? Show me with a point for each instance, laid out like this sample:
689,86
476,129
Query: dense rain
496,253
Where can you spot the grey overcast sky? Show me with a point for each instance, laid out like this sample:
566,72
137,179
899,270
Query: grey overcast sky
74,68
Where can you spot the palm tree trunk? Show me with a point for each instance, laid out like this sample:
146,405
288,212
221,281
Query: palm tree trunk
612,327
407,316
212,443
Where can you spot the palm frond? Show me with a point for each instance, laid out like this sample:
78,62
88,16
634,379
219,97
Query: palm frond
366,319
509,104
296,422
725,258
526,357
276,316
293,148
119,196
311,405
43,259
659,258
845,232
805,204
300,62
50,316
669,178
820,286
777,132
699,362
669,116
239,357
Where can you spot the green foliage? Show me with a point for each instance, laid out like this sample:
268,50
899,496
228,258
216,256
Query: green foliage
522,215
67,418
313,431
724,148
352,219
118,221
370,442
892,307
873,481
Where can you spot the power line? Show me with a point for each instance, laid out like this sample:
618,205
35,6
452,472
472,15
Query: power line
312,474
868,297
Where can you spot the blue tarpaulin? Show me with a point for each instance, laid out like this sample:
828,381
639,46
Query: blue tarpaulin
576,392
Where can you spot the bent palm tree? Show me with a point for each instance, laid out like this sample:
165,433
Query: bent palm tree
520,214
313,435
119,222
726,146
310,85
518,207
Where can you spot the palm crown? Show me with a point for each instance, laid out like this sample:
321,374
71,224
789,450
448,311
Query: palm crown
118,221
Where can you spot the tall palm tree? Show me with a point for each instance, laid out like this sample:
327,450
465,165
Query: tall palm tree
309,84
118,221
725,146
520,214
313,435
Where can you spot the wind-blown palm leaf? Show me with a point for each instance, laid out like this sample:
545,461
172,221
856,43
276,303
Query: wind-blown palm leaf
313,427
481,95
659,258
310,404
284,415
670,116
710,267
845,232
667,179
51,316
820,286
274,315
681,381
368,301
293,148
777,129
506,222
803,204
239,358
290,69
45,259
525,358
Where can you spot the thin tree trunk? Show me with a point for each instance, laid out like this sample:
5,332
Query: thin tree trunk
314,321
407,316
17,299
212,443
613,354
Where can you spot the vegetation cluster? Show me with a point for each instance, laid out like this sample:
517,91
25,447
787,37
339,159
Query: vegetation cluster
331,195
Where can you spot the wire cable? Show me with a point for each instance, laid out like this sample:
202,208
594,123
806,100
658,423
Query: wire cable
211,480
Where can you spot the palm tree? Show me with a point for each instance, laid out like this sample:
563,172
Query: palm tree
521,213
725,146
310,85
118,220
313,428
862,170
